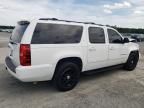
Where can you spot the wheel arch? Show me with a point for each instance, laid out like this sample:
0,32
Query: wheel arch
76,60
133,51
132,65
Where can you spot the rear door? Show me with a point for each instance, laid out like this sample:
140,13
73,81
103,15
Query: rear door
97,47
15,41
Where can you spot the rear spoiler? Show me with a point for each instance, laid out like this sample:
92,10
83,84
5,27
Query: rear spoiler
23,22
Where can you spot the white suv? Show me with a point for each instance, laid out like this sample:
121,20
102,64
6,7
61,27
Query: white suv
59,50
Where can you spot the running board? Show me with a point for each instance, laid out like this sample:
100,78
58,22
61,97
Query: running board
90,72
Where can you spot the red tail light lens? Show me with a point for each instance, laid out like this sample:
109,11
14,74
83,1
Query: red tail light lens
25,55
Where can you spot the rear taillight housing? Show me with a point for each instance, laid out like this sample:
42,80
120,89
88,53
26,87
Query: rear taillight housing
25,55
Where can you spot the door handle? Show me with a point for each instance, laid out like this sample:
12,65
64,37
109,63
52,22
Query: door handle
92,49
111,48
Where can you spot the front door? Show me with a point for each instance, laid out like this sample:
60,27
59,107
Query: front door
116,47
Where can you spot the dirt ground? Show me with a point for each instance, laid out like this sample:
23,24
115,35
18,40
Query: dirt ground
111,89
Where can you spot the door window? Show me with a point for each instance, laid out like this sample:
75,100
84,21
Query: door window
114,37
96,35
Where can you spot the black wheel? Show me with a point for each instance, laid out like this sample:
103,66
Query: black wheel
66,76
132,61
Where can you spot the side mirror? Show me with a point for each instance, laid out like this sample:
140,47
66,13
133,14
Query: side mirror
126,40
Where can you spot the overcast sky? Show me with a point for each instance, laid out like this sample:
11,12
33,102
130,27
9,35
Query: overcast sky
124,13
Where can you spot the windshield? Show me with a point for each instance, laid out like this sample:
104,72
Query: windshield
18,32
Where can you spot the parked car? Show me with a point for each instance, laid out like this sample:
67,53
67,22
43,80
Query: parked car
60,50
142,37
136,37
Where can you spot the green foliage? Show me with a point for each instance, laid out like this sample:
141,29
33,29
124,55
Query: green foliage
132,30
6,27
129,30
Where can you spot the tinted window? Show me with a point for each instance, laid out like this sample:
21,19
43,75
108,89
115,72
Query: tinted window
56,34
114,37
18,32
96,35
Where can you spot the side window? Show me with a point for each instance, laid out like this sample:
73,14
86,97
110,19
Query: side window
56,34
114,37
96,35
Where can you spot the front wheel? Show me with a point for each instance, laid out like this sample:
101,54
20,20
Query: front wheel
132,61
66,76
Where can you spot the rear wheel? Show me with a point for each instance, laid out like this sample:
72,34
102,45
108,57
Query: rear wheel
132,61
66,76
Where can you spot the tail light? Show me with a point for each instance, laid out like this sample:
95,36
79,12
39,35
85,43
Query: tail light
25,55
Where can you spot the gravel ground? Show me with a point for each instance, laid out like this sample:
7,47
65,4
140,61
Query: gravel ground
111,89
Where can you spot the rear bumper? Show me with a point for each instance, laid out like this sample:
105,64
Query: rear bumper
10,65
30,73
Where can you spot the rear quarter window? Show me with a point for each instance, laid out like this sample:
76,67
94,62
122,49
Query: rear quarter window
56,34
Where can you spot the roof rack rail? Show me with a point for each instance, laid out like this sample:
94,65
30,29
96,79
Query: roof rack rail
55,19
48,19
89,22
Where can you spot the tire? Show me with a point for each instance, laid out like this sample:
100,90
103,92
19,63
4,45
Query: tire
66,76
132,61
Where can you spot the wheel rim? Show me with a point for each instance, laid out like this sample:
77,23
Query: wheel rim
133,61
69,78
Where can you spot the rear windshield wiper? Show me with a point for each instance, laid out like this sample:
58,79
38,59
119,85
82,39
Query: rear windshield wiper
13,42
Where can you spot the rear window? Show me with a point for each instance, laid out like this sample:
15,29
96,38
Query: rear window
56,34
19,32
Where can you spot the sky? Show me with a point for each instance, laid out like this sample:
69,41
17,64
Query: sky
123,13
